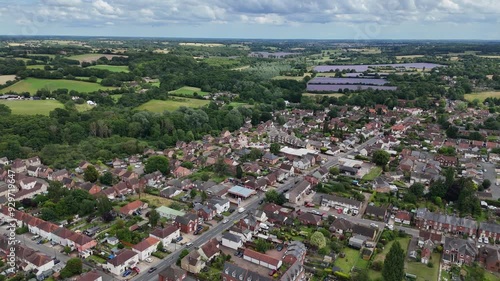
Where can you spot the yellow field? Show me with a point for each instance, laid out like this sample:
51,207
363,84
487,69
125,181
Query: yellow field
328,95
5,78
482,95
409,57
490,57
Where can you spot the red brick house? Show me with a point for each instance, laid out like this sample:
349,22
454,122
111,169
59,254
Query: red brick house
309,219
490,258
489,230
187,223
180,172
459,251
131,207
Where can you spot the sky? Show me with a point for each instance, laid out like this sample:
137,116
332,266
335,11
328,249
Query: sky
262,19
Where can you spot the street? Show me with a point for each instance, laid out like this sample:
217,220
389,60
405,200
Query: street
490,174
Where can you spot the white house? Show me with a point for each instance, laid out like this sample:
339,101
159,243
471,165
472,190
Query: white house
121,262
231,241
220,205
146,247
167,234
33,260
302,163
61,236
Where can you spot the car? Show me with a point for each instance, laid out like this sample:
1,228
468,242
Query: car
200,227
150,260
136,269
390,226
373,225
137,166
56,261
261,201
164,250
279,248
189,244
40,242
237,253
480,240
231,210
152,269
127,273
225,221
240,254
35,237
196,232
179,239
241,210
315,212
53,243
272,272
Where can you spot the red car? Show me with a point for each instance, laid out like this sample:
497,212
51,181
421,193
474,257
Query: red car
339,211
272,272
136,269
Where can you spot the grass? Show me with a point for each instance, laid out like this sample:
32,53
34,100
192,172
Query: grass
409,57
201,44
490,57
171,105
32,107
422,271
337,95
238,104
116,97
488,276
112,68
375,275
189,91
5,78
32,85
92,57
83,107
481,96
153,200
351,258
97,259
86,78
281,77
373,174
36,66
241,68
42,55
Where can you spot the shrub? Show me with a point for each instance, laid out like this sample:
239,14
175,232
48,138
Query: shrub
430,264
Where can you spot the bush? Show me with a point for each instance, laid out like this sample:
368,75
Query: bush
430,265
377,265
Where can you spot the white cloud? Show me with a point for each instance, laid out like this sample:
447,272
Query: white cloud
104,7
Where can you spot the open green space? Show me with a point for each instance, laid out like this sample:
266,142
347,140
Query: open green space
112,68
92,57
351,258
373,174
422,271
282,77
42,55
35,66
86,78
116,97
32,107
189,91
238,104
5,78
32,85
481,96
381,256
337,95
162,105
222,62
83,107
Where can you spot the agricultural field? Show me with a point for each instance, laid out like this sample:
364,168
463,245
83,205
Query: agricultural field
92,57
6,78
42,55
32,107
171,105
490,57
86,78
241,68
296,78
32,85
189,91
238,104
202,44
112,68
36,66
409,57
337,95
481,96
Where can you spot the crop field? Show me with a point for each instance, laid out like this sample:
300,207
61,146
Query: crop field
296,78
189,91
32,107
35,66
92,57
490,57
5,78
42,55
409,57
241,68
32,85
337,95
171,105
202,44
112,68
481,96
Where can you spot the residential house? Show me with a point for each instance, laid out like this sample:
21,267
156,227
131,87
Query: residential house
146,247
298,192
132,207
490,258
302,163
204,212
209,250
233,272
193,262
310,219
403,217
378,213
187,223
122,261
31,260
90,187
220,205
445,223
459,251
489,230
172,273
59,175
340,202
33,161
369,232
180,172
341,226
447,161
18,166
92,275
61,236
270,158
81,242
166,235
262,259
357,241
231,240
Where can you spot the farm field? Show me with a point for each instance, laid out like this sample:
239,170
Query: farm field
490,57
112,68
481,96
5,78
296,78
337,95
241,68
202,44
409,57
422,271
162,105
31,85
238,104
84,78
32,107
189,91
92,57
35,66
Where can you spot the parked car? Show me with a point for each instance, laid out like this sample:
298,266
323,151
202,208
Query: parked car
179,239
225,221
231,210
272,272
150,260
127,273
136,269
35,237
56,261
196,232
279,248
200,227
373,225
189,244
152,269
241,210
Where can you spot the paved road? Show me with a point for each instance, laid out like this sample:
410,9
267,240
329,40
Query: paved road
492,176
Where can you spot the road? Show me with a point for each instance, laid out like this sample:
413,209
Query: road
492,176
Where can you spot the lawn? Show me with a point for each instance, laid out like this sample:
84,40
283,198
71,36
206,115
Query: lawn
337,95
112,68
404,245
189,91
32,107
162,105
281,77
83,107
238,104
86,78
36,66
97,259
373,174
422,271
5,78
351,258
481,96
153,200
116,97
32,85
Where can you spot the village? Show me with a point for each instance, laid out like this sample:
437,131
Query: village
284,200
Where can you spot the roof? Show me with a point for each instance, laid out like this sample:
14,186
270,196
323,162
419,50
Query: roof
491,227
247,275
164,232
343,200
466,247
342,224
231,237
132,206
363,230
377,211
172,273
185,219
89,276
122,257
169,211
146,243
211,248
241,191
261,257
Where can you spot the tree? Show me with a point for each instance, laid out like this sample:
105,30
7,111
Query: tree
154,217
157,163
394,263
262,245
91,174
160,246
67,249
486,184
475,273
204,196
5,110
220,167
73,267
272,196
318,240
438,189
275,148
452,132
334,171
239,172
193,193
103,205
106,178
184,253
417,189
381,157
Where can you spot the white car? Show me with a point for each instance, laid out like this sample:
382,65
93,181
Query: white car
225,221
373,225
241,210
150,260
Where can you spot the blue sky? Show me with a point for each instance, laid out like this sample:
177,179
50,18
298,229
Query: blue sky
280,19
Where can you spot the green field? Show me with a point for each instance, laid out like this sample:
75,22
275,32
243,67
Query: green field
83,107
92,57
42,55
84,78
112,68
481,96
32,107
31,85
296,78
337,95
351,258
381,256
422,271
35,66
171,105
116,97
238,104
189,91
373,174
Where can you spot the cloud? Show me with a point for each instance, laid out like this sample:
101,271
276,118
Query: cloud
103,7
